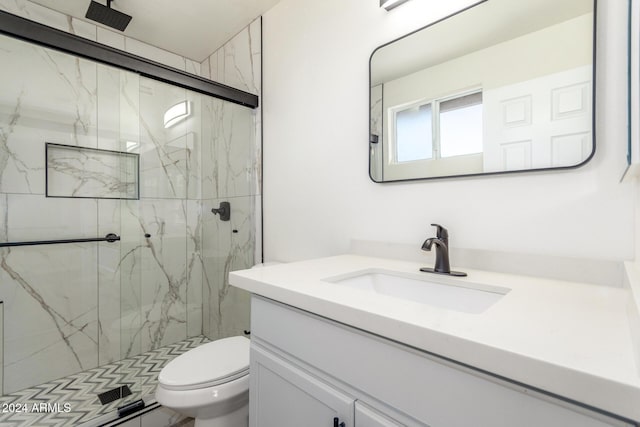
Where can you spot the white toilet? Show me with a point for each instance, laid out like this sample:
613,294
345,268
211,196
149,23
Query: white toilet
209,383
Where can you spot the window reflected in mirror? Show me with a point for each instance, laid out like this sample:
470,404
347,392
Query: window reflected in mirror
499,87
414,133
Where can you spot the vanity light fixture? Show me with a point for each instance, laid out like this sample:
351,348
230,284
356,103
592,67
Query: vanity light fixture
390,4
176,114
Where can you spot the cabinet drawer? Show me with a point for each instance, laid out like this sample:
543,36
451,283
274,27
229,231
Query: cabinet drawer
434,391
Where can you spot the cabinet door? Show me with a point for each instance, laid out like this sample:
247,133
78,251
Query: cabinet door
282,395
369,417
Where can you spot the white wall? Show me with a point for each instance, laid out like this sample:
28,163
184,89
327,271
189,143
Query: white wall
523,58
317,193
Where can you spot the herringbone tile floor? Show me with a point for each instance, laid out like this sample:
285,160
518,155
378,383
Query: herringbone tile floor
73,400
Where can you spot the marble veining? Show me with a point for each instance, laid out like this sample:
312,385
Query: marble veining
226,309
79,172
235,152
91,305
229,142
41,324
9,122
52,97
164,163
238,63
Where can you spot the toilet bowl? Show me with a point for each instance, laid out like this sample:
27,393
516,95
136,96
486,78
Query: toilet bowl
209,383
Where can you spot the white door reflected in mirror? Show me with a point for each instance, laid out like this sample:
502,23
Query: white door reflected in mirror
503,86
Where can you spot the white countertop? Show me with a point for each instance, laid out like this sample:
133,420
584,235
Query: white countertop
566,338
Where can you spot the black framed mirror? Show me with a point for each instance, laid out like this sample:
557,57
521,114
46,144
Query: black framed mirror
499,87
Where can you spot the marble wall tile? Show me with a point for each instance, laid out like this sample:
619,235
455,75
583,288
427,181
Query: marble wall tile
155,313
132,245
129,109
238,63
1,346
34,217
52,98
226,308
242,59
87,172
108,108
4,217
235,303
195,267
82,28
151,52
118,107
229,149
231,168
109,292
50,314
44,15
13,6
192,67
50,311
3,238
216,66
205,69
160,276
37,13
163,151
257,154
164,273
193,145
110,38
258,229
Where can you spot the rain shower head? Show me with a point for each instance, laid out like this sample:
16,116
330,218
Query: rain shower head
107,16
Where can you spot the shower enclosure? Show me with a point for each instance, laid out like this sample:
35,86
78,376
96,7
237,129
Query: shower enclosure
86,151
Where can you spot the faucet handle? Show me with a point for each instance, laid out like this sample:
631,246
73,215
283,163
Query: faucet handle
441,232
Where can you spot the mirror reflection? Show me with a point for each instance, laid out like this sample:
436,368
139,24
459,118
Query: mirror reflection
502,86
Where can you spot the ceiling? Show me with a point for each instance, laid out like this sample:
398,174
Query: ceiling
191,28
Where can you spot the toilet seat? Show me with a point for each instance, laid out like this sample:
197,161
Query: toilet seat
208,365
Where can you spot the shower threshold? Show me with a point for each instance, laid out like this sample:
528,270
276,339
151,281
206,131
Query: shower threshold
73,400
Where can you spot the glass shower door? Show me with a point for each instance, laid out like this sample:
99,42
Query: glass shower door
87,151
161,283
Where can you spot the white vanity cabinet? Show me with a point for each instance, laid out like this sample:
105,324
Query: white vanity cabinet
286,396
290,397
366,416
307,370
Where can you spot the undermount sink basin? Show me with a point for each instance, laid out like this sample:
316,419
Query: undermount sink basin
438,291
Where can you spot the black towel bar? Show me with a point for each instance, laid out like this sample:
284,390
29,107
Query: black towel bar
111,237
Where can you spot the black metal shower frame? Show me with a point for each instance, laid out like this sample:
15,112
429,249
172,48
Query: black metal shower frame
34,32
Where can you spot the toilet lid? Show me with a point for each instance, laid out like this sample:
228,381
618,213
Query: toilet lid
207,365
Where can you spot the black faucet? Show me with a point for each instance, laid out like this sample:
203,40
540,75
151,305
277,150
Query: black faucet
442,252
